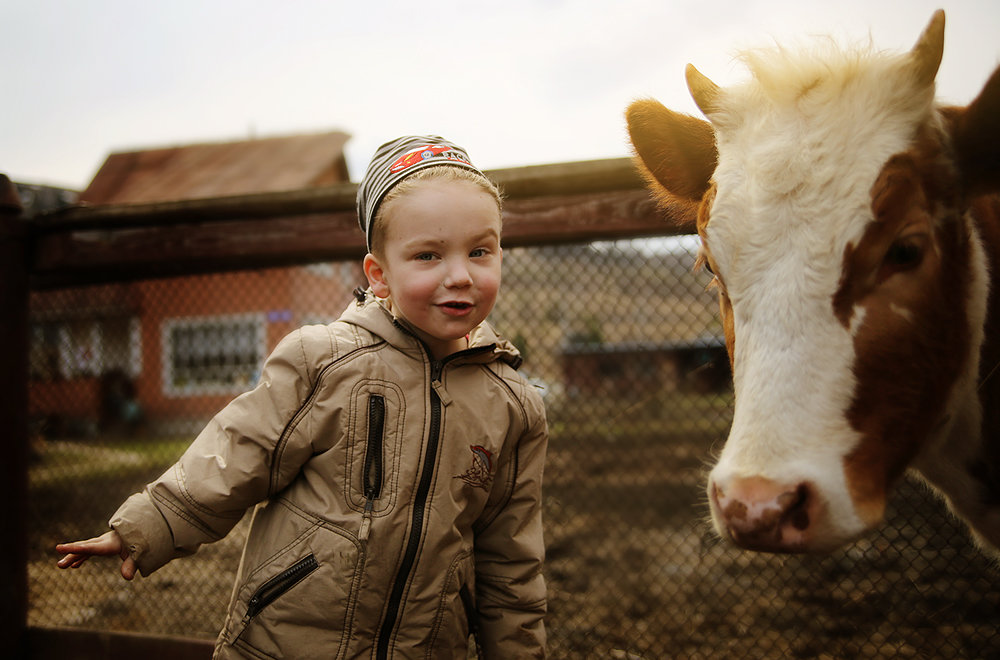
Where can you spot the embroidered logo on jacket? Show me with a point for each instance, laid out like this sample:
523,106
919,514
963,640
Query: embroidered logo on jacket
480,473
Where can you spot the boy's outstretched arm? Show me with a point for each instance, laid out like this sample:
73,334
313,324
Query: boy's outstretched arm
107,545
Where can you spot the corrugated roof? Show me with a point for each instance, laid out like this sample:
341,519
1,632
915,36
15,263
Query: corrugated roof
220,169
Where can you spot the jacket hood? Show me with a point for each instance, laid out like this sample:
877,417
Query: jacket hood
376,315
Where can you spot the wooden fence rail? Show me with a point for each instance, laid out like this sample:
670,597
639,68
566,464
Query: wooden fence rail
600,199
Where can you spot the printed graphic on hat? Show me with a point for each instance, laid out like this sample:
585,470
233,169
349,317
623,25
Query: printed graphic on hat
480,473
423,153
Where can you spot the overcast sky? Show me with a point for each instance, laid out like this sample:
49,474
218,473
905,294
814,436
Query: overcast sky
516,82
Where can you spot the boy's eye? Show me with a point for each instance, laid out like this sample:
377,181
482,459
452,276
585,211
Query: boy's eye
424,256
478,252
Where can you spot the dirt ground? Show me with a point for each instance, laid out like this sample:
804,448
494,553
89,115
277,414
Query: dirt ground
632,570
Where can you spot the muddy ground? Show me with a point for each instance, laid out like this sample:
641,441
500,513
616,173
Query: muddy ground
633,571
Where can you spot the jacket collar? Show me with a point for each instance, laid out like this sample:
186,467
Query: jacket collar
376,316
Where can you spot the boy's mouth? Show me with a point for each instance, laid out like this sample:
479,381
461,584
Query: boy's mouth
456,306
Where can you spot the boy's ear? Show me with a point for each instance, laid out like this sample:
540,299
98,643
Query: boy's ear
376,276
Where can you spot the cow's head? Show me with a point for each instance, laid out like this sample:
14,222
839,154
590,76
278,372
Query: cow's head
831,208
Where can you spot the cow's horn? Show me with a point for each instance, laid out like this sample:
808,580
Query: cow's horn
703,90
926,54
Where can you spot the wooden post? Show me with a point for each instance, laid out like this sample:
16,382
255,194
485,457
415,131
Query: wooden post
14,413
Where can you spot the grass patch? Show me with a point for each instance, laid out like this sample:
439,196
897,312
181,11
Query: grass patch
65,462
676,413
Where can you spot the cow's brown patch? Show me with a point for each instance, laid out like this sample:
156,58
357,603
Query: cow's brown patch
910,274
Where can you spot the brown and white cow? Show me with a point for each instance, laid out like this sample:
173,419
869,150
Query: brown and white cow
850,225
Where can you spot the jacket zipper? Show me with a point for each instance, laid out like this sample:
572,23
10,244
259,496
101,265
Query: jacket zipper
423,491
417,523
372,476
276,586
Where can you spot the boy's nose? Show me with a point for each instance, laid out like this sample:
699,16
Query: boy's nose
458,274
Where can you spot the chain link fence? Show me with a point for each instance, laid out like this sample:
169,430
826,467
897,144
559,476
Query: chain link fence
623,341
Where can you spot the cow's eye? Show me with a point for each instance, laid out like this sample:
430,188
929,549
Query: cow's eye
904,254
701,262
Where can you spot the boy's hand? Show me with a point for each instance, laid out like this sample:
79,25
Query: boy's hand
107,544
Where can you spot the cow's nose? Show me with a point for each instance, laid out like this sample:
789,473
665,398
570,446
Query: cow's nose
765,515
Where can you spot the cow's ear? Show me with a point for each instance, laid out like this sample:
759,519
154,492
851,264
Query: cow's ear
976,139
676,154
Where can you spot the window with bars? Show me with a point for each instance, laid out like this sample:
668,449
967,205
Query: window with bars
81,348
212,355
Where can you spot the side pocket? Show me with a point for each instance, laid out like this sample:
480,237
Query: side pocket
279,584
456,612
472,616
310,582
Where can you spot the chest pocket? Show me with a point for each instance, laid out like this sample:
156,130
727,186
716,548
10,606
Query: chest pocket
372,472
373,449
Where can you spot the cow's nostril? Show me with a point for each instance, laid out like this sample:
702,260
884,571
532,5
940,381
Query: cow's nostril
798,511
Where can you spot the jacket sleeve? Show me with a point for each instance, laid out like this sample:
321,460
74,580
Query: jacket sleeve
245,454
510,551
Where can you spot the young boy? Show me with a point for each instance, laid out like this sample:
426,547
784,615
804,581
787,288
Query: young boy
395,456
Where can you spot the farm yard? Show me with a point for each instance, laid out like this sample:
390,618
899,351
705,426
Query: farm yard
627,353
846,202
632,569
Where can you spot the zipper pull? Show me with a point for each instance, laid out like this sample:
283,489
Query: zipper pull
366,521
437,382
442,393
437,368
251,609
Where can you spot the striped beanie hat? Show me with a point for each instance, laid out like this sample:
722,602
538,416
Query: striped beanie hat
398,159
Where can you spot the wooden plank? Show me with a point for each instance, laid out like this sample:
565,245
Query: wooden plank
91,257
583,217
81,644
516,183
595,200
196,211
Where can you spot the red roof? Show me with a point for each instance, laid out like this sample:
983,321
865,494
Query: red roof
220,169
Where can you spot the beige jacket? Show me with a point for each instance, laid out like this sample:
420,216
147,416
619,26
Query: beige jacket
399,499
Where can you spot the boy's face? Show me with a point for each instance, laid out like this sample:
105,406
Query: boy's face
440,261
